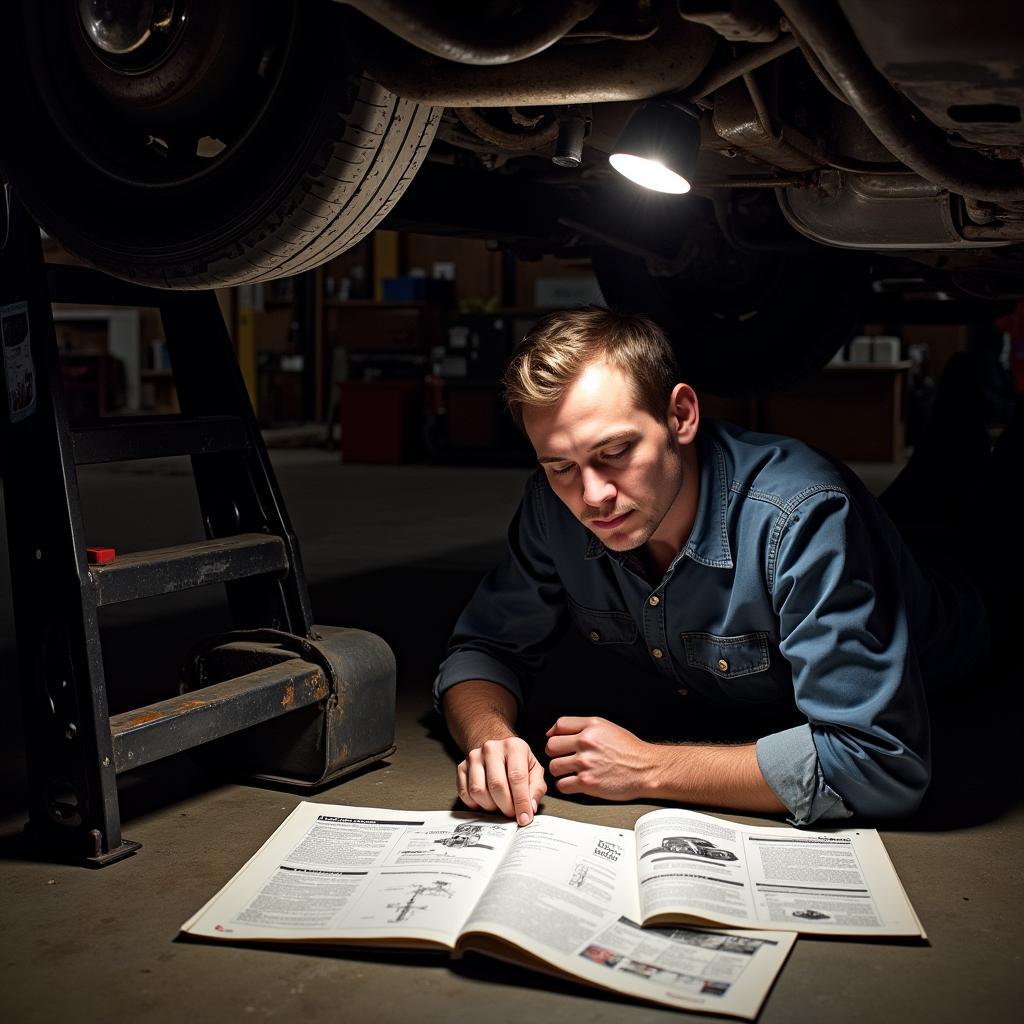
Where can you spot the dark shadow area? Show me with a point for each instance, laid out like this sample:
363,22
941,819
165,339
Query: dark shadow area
976,734
976,742
141,793
142,660
412,608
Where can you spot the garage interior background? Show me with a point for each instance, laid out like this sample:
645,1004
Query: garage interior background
392,351
375,380
397,550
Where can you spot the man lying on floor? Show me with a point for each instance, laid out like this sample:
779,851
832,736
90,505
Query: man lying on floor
746,570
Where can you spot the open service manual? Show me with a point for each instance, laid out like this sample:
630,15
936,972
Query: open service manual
567,897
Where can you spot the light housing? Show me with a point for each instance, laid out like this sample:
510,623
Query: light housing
658,148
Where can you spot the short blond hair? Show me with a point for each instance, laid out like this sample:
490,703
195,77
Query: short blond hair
558,347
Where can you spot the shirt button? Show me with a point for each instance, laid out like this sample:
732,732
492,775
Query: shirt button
723,665
595,636
683,692
657,652
654,600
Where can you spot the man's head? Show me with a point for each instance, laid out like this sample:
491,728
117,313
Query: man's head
596,393
555,351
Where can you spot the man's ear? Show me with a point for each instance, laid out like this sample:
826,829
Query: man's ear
683,414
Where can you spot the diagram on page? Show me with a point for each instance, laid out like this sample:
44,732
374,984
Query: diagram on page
409,906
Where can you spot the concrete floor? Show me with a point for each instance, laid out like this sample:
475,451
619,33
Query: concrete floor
397,551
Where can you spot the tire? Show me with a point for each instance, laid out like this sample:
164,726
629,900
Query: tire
316,152
740,323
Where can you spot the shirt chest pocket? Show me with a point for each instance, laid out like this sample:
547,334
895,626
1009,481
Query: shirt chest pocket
739,664
603,627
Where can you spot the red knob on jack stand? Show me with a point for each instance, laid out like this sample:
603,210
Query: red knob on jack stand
100,556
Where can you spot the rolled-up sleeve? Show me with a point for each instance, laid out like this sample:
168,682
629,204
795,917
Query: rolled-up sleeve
835,586
789,762
516,613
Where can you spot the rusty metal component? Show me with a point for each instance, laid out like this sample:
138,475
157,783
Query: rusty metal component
630,22
959,63
523,120
1003,231
525,139
443,32
818,68
637,35
801,143
750,127
736,121
572,131
602,72
340,718
917,145
715,78
981,213
757,98
172,569
170,726
325,696
738,182
879,212
739,21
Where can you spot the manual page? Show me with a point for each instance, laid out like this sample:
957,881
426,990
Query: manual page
360,874
560,896
564,900
694,867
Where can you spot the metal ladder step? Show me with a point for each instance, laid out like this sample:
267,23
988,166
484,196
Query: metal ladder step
183,566
128,438
171,726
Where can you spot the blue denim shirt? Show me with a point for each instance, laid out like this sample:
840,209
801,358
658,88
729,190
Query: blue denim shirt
793,587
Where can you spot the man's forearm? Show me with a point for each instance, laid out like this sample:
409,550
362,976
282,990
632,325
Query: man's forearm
722,776
599,758
478,710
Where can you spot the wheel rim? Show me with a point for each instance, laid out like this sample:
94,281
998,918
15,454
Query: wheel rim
132,33
156,94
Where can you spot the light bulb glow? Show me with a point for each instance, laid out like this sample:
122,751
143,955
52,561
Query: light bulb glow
649,173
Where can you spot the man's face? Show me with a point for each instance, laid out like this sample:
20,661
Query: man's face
617,468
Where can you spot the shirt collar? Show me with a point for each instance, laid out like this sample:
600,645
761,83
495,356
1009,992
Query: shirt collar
709,538
708,543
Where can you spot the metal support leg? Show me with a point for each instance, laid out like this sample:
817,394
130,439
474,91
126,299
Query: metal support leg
73,782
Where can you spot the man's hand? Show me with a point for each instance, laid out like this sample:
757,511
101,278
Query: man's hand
502,775
500,772
598,758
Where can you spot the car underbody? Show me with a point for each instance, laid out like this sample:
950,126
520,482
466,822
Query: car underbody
865,153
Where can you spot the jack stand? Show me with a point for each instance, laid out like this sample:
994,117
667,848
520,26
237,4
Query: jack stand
294,703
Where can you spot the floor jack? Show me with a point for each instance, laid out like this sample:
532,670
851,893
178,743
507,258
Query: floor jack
285,700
